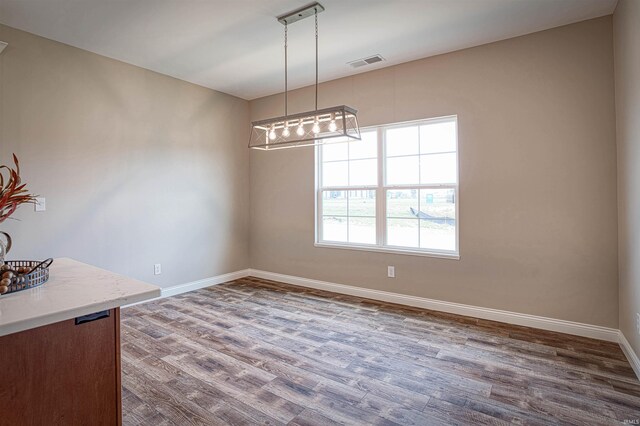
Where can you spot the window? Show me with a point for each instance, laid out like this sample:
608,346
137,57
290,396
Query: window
394,190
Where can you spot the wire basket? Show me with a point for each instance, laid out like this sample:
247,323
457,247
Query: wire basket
23,274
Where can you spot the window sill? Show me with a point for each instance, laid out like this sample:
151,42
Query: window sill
439,255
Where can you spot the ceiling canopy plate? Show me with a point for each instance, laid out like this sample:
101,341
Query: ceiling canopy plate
300,14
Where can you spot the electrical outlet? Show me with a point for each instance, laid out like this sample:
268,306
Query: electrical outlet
40,204
157,269
638,322
391,271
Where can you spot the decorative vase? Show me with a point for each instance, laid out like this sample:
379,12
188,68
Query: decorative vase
5,246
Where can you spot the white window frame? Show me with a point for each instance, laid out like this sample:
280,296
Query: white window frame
381,189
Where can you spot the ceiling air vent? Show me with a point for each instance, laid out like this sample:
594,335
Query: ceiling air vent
366,61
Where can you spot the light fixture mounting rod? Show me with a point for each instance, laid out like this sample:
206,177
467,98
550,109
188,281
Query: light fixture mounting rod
299,14
286,66
316,16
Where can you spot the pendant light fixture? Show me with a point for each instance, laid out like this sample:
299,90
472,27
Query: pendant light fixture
335,124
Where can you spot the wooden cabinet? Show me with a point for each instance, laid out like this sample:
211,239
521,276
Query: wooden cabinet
66,373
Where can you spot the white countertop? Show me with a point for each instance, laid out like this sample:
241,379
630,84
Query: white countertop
73,289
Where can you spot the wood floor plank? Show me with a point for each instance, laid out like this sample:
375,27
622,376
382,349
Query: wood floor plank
163,399
139,412
311,417
255,351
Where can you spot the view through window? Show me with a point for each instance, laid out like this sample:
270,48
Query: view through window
396,189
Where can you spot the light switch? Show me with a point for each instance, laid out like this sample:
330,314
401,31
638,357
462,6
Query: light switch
40,205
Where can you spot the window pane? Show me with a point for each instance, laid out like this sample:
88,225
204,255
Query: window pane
402,141
367,147
335,151
438,137
334,229
362,230
437,219
335,174
363,172
403,170
433,237
402,232
362,203
438,168
334,203
402,203
438,203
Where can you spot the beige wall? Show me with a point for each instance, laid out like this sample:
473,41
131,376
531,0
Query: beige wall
627,70
137,168
538,221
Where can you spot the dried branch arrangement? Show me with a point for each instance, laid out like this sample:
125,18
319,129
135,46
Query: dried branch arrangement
12,192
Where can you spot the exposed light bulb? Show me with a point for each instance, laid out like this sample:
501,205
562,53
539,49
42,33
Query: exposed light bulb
300,130
272,133
332,125
316,127
286,133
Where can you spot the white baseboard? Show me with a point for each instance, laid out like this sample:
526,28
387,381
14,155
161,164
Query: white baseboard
551,324
207,282
629,353
196,285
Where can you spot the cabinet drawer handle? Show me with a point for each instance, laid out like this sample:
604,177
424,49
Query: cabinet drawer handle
92,317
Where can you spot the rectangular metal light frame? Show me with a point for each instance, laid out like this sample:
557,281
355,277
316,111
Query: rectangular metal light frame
346,129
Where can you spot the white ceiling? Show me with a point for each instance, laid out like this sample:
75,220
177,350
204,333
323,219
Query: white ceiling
236,46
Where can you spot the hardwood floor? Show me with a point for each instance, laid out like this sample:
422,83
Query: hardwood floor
258,352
